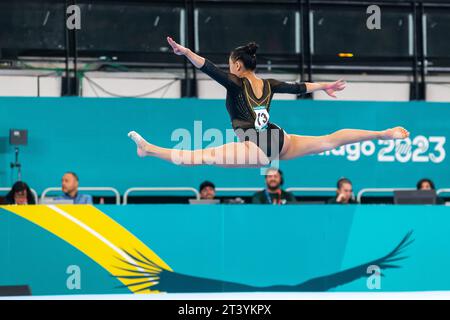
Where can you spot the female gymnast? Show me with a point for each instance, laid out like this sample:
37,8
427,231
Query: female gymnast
248,104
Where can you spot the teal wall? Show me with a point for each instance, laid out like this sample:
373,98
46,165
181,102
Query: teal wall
89,136
261,247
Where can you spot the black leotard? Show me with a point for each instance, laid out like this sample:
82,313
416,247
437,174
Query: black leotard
241,103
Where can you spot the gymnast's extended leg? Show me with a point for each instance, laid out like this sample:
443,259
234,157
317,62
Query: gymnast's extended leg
231,155
298,146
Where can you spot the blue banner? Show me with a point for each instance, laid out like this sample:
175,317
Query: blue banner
89,137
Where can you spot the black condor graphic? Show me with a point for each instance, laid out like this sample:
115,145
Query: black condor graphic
168,281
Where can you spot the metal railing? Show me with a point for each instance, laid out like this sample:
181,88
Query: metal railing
108,189
291,189
442,190
379,190
238,189
35,195
197,194
304,189
156,189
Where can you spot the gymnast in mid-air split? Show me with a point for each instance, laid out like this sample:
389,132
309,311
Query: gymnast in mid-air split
248,104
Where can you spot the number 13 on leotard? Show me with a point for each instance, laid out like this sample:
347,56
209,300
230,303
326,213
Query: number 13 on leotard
262,118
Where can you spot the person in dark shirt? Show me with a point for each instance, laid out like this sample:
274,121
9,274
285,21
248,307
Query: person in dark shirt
344,193
425,184
248,104
273,194
20,194
428,184
207,190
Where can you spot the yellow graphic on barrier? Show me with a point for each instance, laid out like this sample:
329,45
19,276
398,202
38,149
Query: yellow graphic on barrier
99,237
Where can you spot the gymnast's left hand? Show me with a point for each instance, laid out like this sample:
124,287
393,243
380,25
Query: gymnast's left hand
332,87
178,49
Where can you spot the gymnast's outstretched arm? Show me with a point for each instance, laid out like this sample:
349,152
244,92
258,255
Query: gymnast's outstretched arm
307,87
329,87
226,79
179,50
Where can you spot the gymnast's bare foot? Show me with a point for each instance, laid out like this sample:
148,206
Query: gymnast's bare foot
394,133
144,148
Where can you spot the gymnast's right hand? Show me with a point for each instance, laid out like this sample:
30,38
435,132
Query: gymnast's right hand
178,49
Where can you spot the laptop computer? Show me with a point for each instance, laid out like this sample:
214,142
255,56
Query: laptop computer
20,290
415,197
205,201
56,201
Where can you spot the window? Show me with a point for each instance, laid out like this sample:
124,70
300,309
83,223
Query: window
437,22
221,29
343,30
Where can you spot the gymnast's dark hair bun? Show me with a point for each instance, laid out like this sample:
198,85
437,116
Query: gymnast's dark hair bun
251,48
247,54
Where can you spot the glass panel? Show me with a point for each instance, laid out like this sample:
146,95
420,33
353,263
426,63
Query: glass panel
128,27
347,32
438,29
221,29
32,25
